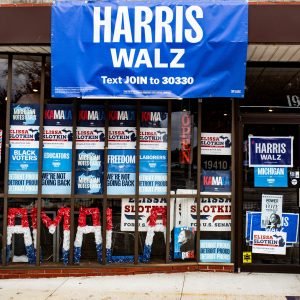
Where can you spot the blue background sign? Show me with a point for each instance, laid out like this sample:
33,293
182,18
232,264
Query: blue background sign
270,177
25,114
290,225
137,49
215,181
270,151
215,251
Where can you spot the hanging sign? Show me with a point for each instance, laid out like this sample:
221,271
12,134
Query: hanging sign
270,151
158,49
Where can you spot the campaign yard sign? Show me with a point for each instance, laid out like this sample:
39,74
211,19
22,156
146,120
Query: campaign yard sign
215,182
156,49
215,213
270,177
268,242
24,149
270,151
215,251
289,224
216,143
144,210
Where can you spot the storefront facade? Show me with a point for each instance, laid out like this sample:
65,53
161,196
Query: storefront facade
97,186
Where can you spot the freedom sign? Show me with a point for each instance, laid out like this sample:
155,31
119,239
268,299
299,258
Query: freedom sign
157,49
270,151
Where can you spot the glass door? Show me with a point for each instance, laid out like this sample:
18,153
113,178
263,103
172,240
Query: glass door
270,196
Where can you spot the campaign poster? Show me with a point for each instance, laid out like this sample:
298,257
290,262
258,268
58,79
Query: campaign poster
91,115
216,143
121,177
153,153
144,210
269,242
218,251
25,114
22,182
153,184
289,224
215,213
266,151
57,149
90,139
24,149
1,134
184,243
270,177
215,182
89,171
271,211
122,116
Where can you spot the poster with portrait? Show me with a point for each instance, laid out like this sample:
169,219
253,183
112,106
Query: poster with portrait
57,149
24,149
184,243
271,211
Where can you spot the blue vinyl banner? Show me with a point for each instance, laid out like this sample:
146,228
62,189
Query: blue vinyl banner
153,161
270,151
158,49
290,225
270,177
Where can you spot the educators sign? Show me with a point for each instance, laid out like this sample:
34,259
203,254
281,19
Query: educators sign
152,49
270,151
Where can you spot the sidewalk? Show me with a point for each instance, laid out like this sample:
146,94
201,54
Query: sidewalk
180,286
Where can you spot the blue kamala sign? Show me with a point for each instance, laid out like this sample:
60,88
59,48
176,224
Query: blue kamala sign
270,151
158,49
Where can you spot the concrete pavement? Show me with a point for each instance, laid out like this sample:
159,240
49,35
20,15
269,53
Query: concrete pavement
178,286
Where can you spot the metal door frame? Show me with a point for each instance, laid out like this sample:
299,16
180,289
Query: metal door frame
246,119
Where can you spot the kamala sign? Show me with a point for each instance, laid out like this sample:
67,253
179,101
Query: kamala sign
158,49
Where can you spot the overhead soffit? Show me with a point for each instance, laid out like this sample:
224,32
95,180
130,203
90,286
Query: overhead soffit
256,52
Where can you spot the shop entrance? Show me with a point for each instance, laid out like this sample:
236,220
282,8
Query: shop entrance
269,189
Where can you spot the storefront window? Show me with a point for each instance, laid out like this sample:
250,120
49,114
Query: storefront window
3,101
55,230
26,82
21,231
88,221
215,206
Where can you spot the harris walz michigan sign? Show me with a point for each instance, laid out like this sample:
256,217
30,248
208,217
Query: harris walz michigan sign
157,49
